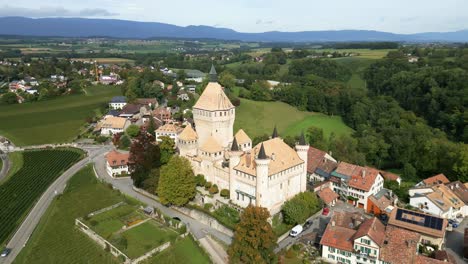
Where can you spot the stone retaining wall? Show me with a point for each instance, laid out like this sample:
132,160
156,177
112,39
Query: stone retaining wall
205,219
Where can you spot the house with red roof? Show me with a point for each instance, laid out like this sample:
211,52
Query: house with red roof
117,163
356,183
319,165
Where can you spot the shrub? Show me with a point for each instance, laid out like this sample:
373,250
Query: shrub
208,185
300,207
297,247
93,222
224,193
290,254
200,180
208,206
101,139
214,189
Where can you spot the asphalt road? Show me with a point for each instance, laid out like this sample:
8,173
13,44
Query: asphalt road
454,241
22,235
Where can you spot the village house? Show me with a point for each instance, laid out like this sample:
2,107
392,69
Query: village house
461,191
118,102
328,196
350,238
356,183
111,125
388,176
168,130
266,175
437,179
431,228
182,95
320,165
381,203
117,163
438,200
163,114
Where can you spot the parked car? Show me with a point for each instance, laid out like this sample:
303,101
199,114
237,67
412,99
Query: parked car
308,224
454,223
5,252
325,211
296,231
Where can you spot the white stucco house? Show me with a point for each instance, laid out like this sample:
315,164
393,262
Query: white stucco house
117,163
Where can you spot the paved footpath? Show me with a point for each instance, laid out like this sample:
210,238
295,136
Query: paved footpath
22,235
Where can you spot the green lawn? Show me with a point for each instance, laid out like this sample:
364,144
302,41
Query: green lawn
258,118
143,238
56,239
111,221
183,251
53,121
357,65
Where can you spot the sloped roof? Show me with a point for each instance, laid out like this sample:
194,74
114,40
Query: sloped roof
437,179
188,134
314,158
213,98
119,99
242,137
388,176
460,190
115,158
338,237
112,122
372,228
211,145
281,157
400,245
417,226
169,128
327,195
364,179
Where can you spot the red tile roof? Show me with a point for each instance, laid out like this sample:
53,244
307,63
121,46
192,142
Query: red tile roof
437,179
460,190
338,237
400,245
372,228
388,176
115,158
314,158
327,195
364,178
420,259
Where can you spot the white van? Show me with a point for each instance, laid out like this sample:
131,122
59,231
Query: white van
296,231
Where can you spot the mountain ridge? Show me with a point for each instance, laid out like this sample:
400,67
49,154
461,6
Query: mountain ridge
117,28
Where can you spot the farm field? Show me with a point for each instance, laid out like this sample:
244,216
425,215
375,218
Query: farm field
258,118
183,251
19,193
54,121
16,162
357,65
56,240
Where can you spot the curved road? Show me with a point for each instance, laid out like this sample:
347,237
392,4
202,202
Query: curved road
5,166
96,155
29,224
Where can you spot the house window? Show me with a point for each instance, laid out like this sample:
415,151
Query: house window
365,241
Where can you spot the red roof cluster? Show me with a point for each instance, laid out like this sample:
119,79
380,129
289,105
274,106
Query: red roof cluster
437,179
115,158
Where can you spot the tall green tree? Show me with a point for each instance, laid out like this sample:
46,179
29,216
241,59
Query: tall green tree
254,240
176,182
314,136
167,147
144,156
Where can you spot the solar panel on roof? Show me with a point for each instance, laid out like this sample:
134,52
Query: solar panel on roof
429,221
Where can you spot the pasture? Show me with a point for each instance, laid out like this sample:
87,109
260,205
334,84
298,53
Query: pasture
258,118
19,193
107,60
53,121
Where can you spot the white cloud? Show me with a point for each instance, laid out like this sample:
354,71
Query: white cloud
50,11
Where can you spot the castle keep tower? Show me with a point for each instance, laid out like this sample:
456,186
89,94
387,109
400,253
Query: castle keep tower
214,113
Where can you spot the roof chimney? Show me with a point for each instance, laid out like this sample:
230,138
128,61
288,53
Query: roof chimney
456,185
333,223
364,173
272,156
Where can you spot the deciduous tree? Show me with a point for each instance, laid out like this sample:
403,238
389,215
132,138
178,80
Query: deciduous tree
176,182
254,240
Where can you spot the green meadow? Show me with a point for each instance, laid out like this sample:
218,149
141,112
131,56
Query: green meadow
258,118
53,121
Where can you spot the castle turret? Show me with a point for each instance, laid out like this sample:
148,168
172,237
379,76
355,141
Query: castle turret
187,142
234,159
214,113
302,148
262,162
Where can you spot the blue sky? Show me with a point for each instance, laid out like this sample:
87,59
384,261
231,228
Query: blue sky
399,16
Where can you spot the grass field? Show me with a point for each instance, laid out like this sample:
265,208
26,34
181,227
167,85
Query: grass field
56,240
357,66
183,251
145,237
19,193
16,162
258,118
53,121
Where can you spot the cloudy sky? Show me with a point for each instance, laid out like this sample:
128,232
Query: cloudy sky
399,16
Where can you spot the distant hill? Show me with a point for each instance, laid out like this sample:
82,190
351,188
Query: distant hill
82,27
